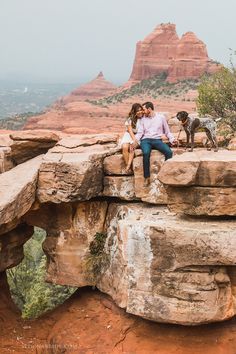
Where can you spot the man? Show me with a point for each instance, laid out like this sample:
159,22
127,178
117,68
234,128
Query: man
151,128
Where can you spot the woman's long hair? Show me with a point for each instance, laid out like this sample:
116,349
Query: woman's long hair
132,114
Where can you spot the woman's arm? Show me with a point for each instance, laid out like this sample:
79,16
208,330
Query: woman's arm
130,130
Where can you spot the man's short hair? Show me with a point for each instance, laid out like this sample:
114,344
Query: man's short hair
148,105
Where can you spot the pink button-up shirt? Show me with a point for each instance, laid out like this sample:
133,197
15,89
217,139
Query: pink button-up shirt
153,128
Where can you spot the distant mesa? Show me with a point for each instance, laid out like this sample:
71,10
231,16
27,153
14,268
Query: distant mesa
95,89
181,59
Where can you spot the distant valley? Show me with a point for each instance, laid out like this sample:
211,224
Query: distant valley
34,98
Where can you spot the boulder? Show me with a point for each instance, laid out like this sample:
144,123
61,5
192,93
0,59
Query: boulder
200,168
206,201
73,170
121,187
28,144
114,165
18,190
169,269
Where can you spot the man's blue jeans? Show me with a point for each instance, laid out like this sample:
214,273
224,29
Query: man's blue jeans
157,144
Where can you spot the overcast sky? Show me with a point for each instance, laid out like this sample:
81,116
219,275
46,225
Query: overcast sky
72,40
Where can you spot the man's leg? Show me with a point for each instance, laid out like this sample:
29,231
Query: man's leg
158,144
146,149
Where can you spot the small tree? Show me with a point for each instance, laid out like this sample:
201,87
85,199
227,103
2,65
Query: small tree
217,96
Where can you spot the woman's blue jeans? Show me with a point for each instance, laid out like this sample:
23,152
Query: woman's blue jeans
157,144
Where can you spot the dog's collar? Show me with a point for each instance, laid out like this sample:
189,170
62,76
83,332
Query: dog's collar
185,122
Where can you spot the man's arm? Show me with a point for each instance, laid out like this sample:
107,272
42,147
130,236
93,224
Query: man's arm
166,130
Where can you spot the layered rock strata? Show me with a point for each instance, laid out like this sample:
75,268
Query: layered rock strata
156,263
18,147
201,183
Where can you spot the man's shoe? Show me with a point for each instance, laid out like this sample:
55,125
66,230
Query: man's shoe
146,182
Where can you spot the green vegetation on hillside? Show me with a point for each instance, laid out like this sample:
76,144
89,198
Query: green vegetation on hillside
156,86
27,283
217,97
17,121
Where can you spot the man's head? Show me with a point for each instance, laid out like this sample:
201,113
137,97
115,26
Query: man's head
148,108
182,116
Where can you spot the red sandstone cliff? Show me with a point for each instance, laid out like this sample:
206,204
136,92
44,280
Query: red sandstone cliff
191,60
162,50
155,53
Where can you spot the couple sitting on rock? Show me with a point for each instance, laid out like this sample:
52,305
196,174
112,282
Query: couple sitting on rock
145,127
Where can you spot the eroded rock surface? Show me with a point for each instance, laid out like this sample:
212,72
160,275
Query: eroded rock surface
73,169
20,146
70,229
159,265
11,246
201,183
18,190
169,269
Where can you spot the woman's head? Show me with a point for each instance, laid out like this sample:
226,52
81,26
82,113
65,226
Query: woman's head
135,113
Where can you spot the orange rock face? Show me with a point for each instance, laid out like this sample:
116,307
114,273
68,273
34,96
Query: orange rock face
155,53
191,60
163,51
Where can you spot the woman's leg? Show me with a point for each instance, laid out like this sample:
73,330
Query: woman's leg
125,152
131,157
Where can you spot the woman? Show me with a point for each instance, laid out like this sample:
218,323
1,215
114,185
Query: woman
128,138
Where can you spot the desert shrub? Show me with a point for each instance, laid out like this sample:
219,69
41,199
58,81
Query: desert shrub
97,260
217,96
27,283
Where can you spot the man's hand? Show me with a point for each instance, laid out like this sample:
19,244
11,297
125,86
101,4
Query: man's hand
174,142
135,144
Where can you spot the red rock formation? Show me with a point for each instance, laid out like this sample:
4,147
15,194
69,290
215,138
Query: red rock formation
162,51
191,59
97,88
155,53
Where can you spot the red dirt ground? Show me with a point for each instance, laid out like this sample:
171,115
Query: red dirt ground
90,323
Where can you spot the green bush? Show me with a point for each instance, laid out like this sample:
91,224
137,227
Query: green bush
97,260
27,283
217,96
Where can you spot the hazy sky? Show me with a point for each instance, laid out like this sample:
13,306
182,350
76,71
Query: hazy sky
72,40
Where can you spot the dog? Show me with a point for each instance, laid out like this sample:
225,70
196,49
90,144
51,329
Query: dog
191,125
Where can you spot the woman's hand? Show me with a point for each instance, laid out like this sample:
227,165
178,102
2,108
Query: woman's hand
132,148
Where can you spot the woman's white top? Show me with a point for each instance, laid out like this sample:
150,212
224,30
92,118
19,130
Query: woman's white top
126,139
